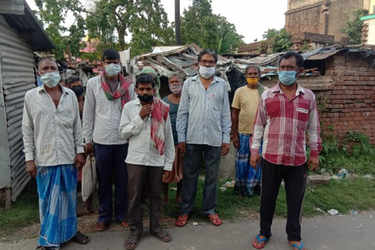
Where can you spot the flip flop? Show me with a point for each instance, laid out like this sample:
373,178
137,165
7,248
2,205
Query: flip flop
182,220
298,245
215,220
80,238
260,243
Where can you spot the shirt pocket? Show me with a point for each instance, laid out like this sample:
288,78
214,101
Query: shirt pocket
273,108
302,112
65,114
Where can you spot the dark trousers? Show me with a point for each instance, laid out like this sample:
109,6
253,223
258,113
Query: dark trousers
295,185
144,182
192,162
111,169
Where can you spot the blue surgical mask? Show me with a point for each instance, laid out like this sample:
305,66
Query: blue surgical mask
287,78
51,79
112,69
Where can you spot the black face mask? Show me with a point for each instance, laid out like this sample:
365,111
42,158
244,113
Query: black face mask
146,98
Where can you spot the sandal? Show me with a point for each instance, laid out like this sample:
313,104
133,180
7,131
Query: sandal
162,235
182,220
215,220
260,241
80,238
298,245
132,242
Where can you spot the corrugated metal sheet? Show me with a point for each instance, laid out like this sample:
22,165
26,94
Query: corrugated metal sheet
17,77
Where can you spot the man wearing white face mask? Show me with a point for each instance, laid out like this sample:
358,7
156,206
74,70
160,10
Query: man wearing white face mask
203,128
106,95
51,128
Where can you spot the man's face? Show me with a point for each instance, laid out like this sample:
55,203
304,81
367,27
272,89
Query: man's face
207,61
144,89
289,64
47,66
252,73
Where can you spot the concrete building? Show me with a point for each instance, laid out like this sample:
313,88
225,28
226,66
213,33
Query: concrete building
368,32
321,19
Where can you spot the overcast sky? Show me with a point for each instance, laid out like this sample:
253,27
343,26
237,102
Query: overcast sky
251,17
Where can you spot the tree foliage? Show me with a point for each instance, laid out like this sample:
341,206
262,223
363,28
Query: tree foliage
199,25
353,28
145,20
280,40
53,15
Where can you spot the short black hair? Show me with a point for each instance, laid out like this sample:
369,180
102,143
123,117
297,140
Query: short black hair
145,78
78,90
252,66
110,54
72,79
299,59
207,52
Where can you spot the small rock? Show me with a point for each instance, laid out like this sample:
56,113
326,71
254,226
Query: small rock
320,210
195,223
333,212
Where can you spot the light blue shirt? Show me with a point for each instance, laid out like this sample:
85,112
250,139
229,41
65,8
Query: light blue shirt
204,115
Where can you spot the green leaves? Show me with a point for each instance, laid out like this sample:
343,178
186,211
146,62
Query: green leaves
353,29
199,25
280,40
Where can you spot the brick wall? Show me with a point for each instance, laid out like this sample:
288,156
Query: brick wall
350,104
345,94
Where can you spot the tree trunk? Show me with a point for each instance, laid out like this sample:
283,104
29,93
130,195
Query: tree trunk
177,21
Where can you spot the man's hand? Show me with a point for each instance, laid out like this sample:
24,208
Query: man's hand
314,163
182,147
89,148
236,141
254,159
79,161
225,149
31,168
145,111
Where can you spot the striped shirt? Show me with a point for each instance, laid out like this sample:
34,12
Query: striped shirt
283,124
204,114
101,117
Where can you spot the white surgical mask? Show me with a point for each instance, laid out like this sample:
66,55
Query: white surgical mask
112,69
206,72
50,79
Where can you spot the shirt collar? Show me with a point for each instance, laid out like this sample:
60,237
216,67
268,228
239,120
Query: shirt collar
277,89
43,89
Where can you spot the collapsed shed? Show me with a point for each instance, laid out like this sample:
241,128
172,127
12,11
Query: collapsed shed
20,35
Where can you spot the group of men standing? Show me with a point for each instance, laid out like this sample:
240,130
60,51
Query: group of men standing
132,134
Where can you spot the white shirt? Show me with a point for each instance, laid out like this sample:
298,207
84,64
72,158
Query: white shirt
101,117
142,150
51,136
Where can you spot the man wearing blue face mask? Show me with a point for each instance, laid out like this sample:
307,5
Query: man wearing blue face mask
203,128
53,149
286,113
106,95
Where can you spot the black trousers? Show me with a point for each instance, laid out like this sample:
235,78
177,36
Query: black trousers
111,169
144,182
295,185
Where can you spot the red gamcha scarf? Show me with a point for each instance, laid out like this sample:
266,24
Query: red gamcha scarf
122,92
159,116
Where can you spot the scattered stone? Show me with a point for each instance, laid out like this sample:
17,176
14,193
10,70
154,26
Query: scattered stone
318,179
333,212
343,173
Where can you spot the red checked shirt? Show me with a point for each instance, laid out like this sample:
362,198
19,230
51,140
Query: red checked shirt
283,124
